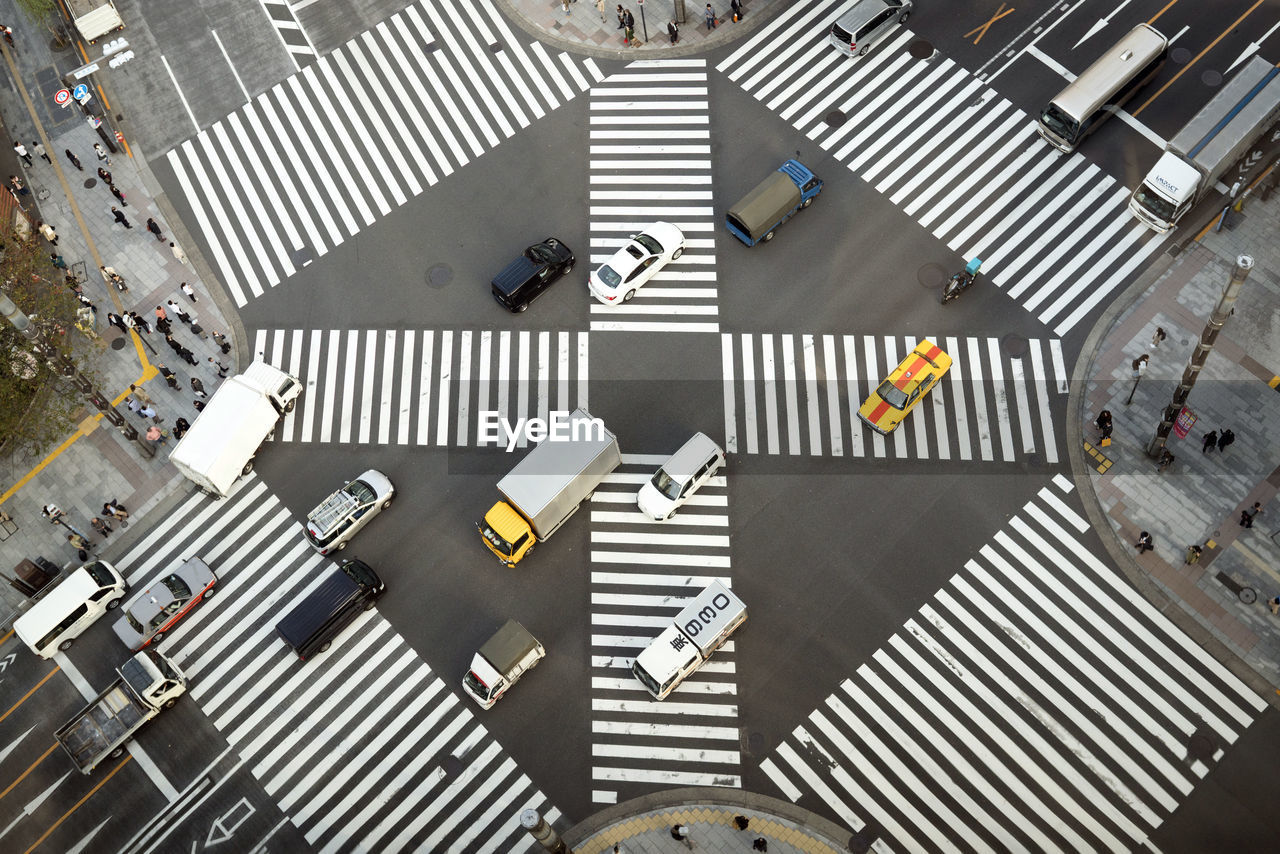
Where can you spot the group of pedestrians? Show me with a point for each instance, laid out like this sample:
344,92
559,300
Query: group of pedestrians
627,21
112,512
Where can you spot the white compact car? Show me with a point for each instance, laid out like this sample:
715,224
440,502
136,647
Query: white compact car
617,280
680,477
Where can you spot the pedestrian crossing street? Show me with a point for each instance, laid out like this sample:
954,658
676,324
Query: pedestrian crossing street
650,161
642,574
1036,703
411,767
800,394
423,387
306,165
1052,231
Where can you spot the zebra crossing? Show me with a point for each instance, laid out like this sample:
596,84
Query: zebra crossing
1052,231
650,161
1036,703
423,387
306,165
389,725
642,573
799,394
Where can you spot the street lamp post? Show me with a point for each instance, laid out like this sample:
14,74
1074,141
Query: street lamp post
67,368
1139,365
1200,355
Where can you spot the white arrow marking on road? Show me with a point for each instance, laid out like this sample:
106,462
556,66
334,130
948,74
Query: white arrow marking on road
35,804
220,823
1098,26
8,659
1252,47
16,742
84,842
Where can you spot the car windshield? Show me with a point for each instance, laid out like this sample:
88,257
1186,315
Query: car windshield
892,395
133,621
1059,122
541,252
609,276
99,573
475,685
501,545
647,241
1161,208
645,679
177,587
362,491
664,483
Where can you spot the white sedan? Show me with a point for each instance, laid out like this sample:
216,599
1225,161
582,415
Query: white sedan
618,279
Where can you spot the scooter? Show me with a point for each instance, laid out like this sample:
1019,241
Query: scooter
961,281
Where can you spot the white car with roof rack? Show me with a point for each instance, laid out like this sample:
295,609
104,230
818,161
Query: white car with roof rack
340,516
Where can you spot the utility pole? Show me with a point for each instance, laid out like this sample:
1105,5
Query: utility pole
1200,355
68,369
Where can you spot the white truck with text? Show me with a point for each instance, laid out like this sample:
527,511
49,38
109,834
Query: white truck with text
701,628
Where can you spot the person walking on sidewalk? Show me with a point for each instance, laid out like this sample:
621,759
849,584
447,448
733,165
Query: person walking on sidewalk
115,191
170,377
75,161
156,436
154,228
1210,442
1166,459
219,367
184,287
1144,543
180,427
38,148
120,217
117,321
198,388
711,18
1104,424
52,512
102,153
1193,554
179,312
736,5
103,529
1247,516
178,253
140,322
622,21
1157,337
600,9
1226,438
105,177
21,151
149,411
81,545
673,31
137,391
221,340
48,232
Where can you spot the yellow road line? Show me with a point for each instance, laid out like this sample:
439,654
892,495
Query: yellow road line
66,815
30,768
29,693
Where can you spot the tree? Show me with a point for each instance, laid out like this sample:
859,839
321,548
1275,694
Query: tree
45,14
36,404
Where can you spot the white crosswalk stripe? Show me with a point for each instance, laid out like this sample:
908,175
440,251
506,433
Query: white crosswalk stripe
690,738
1036,703
651,161
308,164
1052,231
800,394
370,704
424,387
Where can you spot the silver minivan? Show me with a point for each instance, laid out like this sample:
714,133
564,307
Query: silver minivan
866,23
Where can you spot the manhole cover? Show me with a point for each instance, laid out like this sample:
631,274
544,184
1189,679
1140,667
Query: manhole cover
1211,78
1248,595
452,766
1013,345
117,343
496,47
440,275
921,49
1180,55
932,277
835,118
755,742
89,183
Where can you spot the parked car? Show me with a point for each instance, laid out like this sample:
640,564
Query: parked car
905,387
618,279
341,516
524,279
152,613
867,22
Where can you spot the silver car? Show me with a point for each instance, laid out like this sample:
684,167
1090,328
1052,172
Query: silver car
157,609
340,516
866,23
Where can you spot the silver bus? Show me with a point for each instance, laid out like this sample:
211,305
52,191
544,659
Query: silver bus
1103,88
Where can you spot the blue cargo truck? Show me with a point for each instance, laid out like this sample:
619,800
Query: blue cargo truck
777,198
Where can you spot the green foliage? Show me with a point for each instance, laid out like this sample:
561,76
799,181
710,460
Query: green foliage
36,403
37,11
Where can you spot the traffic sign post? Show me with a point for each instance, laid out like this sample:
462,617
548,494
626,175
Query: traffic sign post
62,97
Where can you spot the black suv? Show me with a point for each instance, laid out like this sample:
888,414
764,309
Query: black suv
532,273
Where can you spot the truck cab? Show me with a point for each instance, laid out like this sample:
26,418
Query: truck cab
1167,192
504,658
506,533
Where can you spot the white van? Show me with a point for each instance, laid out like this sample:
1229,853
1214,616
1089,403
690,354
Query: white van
70,608
680,477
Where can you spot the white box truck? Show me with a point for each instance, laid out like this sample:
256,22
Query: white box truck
500,663
94,18
1232,137
698,631
548,485
221,444
148,683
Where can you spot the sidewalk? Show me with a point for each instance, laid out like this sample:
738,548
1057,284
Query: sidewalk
96,464
1221,600
643,825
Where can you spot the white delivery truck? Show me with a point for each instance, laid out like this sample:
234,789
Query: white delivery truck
237,419
548,486
698,631
148,683
501,662
94,18
1230,139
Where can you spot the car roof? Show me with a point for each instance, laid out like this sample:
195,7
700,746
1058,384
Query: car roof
690,456
913,368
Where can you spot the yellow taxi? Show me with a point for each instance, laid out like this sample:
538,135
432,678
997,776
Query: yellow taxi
904,388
